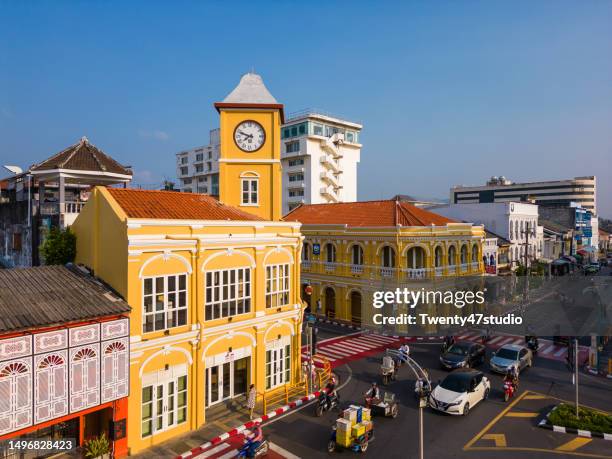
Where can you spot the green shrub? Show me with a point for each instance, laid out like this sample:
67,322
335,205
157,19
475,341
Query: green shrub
595,421
59,247
97,447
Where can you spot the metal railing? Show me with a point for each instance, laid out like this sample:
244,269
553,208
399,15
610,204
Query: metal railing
330,266
356,269
417,273
386,271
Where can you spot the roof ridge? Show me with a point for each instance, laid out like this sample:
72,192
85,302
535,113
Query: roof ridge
74,152
54,156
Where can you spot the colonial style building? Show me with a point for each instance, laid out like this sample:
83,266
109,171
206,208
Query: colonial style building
214,287
51,194
353,249
64,358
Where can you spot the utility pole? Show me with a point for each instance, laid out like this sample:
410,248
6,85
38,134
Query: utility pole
576,371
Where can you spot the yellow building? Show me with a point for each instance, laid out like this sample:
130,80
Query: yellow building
352,249
214,289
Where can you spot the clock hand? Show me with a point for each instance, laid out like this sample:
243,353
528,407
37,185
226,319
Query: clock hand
245,134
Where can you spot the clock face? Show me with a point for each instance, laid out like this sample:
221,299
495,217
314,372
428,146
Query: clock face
249,136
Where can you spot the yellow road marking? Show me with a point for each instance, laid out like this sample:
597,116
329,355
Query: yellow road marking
499,439
495,419
516,414
536,397
574,444
539,450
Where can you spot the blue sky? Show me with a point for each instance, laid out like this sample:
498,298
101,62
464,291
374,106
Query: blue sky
448,92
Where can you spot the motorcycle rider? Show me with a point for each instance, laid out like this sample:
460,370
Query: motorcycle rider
512,378
404,352
330,391
449,340
373,395
254,438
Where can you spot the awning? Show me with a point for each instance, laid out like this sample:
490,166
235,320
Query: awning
586,250
570,258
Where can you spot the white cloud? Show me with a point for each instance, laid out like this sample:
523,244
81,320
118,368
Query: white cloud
153,134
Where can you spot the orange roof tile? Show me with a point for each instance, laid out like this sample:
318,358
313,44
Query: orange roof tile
173,205
367,213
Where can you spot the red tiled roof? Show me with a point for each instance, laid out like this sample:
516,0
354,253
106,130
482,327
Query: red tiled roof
173,205
367,213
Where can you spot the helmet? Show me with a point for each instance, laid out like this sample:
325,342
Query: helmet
374,383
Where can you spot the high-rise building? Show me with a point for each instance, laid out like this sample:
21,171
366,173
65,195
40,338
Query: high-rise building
580,190
319,156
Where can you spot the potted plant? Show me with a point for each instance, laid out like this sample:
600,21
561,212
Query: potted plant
98,447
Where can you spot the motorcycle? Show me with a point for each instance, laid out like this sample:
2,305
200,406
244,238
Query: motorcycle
388,406
508,390
422,391
327,403
261,449
532,344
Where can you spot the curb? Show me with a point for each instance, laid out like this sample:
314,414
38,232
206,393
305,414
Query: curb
545,424
236,430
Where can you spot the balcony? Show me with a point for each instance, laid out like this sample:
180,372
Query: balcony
474,266
306,264
464,267
330,266
451,269
386,271
417,273
439,270
356,269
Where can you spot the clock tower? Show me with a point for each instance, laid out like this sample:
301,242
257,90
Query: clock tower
249,162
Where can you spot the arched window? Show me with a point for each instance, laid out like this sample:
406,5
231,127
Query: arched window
516,230
511,230
115,368
452,256
474,253
438,257
357,254
492,260
306,252
464,254
415,258
51,387
388,257
16,399
330,252
84,379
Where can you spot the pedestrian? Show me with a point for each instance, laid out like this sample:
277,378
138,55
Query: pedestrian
251,399
319,307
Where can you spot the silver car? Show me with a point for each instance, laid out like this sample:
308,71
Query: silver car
511,355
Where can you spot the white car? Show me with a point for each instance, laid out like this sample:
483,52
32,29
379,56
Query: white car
460,391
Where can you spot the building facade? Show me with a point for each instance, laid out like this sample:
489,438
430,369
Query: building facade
51,194
64,359
515,221
578,219
581,190
351,250
319,157
214,288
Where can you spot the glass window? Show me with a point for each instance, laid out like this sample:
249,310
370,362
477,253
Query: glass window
302,128
277,285
292,147
330,252
200,157
164,302
388,257
249,191
357,255
227,293
317,129
278,366
297,177
306,251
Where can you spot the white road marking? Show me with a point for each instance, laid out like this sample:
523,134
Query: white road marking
282,451
494,340
547,350
560,352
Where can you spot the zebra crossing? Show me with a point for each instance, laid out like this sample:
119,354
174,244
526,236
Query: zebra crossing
347,348
548,349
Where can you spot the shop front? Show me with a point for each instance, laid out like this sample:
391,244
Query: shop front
228,375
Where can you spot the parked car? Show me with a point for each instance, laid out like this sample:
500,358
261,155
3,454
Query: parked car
511,355
463,354
460,391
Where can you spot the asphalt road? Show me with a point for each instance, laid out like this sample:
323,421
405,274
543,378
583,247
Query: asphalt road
492,429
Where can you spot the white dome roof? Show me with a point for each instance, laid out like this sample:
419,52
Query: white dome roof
252,90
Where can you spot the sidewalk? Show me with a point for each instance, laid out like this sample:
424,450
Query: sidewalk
219,419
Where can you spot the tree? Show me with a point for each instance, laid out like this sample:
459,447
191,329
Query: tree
59,247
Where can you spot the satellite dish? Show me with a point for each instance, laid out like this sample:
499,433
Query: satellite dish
14,169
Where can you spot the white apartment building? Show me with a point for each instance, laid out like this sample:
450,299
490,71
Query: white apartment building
581,190
511,220
319,155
